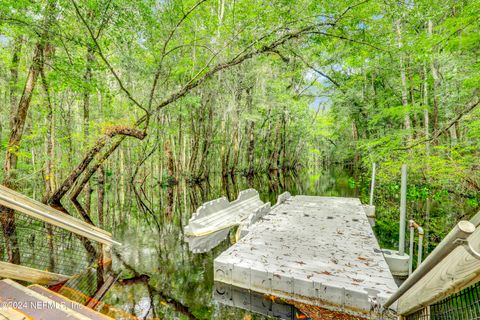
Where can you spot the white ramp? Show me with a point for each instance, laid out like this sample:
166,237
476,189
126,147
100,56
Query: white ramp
317,250
211,223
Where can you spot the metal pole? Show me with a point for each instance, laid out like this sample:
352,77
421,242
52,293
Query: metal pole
412,236
420,249
403,210
372,187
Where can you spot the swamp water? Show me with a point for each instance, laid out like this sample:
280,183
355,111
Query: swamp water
162,279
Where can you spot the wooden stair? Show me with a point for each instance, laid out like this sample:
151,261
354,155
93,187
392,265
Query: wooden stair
8,313
37,302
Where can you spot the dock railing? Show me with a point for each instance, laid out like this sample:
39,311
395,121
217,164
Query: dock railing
39,244
453,266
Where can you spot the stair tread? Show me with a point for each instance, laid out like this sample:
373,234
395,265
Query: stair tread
12,314
91,314
34,305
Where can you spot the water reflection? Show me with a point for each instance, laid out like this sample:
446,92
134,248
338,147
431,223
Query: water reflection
255,302
164,280
175,283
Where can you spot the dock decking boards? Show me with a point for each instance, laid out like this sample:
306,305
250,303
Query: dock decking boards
91,314
38,303
34,305
318,250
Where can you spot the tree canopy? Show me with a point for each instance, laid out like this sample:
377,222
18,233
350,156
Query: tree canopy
126,98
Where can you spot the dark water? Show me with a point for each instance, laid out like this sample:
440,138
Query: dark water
163,280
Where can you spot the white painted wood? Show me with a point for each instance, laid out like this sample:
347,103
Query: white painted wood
456,271
38,210
318,250
21,273
11,314
35,305
87,311
476,219
462,231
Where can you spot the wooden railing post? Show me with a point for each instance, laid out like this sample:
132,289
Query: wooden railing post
106,258
104,264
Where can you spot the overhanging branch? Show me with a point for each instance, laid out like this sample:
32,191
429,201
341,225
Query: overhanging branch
474,103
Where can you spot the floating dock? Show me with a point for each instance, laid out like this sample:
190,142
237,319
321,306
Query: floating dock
253,301
315,250
211,223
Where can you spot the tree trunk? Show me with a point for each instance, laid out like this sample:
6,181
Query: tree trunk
414,123
170,161
356,158
86,116
426,116
101,195
10,165
14,78
274,162
284,139
225,148
251,135
434,70
16,133
90,155
195,147
86,94
87,191
100,212
18,123
49,166
237,138
203,168
403,75
50,138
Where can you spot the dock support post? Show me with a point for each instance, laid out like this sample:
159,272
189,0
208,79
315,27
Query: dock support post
420,249
413,225
372,186
403,210
412,238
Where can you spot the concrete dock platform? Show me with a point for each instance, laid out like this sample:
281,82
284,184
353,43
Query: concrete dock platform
316,250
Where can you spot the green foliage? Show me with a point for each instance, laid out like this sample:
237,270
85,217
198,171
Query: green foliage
351,89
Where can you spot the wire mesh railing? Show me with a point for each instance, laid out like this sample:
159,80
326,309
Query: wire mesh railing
30,242
82,287
40,244
464,305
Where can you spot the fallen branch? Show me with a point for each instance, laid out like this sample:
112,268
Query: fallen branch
89,156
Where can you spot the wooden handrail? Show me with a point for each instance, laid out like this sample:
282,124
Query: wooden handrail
42,212
448,269
22,273
476,219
